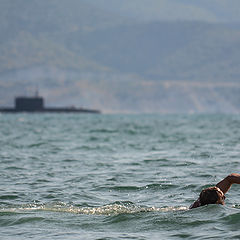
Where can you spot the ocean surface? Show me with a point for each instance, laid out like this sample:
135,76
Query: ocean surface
83,176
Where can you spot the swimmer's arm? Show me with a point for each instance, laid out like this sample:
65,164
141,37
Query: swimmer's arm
227,182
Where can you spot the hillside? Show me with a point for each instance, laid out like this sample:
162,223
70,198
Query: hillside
156,50
77,53
215,11
212,55
52,17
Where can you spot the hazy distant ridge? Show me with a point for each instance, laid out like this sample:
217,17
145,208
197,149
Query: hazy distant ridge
77,53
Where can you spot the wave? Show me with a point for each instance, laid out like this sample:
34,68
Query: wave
115,208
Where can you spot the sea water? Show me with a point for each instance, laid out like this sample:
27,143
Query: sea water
87,176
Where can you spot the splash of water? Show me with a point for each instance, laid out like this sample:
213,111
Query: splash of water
110,209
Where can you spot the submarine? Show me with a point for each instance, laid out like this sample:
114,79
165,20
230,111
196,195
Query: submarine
36,105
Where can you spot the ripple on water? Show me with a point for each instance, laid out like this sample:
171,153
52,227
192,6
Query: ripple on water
115,208
9,196
93,161
231,219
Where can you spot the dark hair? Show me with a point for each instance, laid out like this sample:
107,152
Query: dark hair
209,196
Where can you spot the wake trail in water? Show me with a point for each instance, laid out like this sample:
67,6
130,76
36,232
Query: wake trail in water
110,209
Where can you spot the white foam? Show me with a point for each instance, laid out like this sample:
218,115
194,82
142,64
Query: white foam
111,209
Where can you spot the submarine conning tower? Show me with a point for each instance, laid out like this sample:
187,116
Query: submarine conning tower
29,103
36,104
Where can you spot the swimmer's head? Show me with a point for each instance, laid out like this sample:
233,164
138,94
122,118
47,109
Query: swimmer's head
211,195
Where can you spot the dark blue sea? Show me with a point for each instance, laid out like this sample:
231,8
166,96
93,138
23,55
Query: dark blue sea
87,176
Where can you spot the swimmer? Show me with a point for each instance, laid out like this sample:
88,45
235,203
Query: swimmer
216,195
